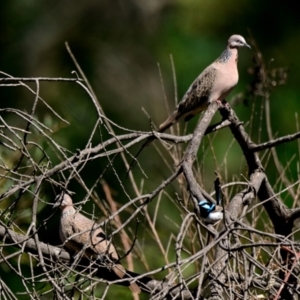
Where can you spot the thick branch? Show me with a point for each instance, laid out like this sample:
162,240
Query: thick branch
192,149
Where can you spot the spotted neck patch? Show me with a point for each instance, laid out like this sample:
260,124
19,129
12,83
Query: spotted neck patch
224,57
70,211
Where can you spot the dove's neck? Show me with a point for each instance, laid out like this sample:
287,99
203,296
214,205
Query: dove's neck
68,210
227,55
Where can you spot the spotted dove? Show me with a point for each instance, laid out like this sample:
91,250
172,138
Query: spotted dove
78,233
214,84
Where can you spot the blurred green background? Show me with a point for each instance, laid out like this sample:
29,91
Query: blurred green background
119,45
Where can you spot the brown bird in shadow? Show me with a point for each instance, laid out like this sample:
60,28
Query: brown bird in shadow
82,235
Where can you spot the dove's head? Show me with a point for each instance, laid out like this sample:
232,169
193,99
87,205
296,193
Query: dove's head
63,200
237,41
